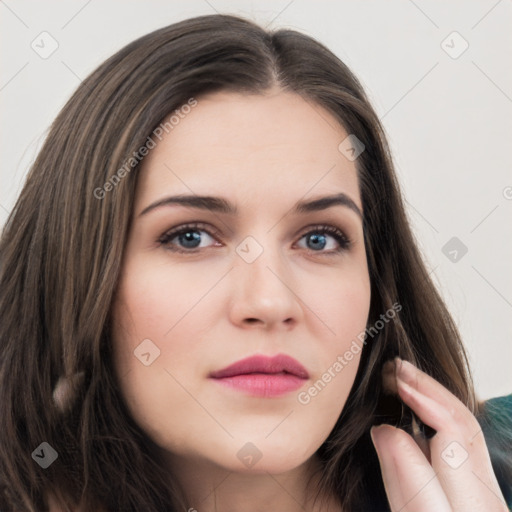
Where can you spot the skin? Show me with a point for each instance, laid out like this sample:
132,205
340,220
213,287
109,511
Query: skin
206,309
263,153
452,471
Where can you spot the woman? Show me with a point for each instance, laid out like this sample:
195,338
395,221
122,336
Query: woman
211,294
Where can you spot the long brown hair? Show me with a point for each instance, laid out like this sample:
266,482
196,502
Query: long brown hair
61,253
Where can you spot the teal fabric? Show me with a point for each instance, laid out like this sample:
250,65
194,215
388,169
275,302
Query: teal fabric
496,423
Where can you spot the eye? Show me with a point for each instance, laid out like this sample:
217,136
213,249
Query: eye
322,237
187,238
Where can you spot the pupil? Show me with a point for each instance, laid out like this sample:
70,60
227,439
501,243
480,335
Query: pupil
315,240
190,239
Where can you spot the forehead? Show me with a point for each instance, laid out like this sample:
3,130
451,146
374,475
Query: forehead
255,147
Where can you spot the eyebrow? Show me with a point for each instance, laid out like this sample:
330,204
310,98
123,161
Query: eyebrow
220,205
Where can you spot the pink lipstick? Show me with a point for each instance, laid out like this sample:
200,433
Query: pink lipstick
263,376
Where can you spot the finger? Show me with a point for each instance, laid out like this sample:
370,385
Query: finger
458,453
398,369
427,409
430,387
411,483
452,413
419,431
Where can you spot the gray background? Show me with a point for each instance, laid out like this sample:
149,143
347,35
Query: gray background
447,113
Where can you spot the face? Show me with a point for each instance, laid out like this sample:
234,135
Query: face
263,270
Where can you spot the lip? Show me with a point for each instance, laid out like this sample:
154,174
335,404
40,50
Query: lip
263,376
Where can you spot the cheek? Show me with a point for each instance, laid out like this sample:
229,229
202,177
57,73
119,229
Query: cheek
170,307
344,307
183,315
341,301
144,310
153,299
153,310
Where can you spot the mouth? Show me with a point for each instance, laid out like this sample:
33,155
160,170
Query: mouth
263,376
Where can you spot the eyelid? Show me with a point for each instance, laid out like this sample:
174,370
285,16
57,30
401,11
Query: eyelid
189,226
344,241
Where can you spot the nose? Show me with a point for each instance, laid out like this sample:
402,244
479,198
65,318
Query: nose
264,293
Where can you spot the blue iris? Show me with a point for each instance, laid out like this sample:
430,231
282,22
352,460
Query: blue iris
190,239
317,240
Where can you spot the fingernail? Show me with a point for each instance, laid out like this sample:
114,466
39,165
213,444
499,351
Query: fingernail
378,433
374,434
405,371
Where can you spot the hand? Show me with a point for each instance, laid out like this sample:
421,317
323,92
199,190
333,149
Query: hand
452,471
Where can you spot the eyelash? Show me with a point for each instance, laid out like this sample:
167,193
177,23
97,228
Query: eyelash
343,241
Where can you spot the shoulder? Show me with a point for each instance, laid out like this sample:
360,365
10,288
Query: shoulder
495,418
500,408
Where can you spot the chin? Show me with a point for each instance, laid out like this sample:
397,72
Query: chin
268,456
274,464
